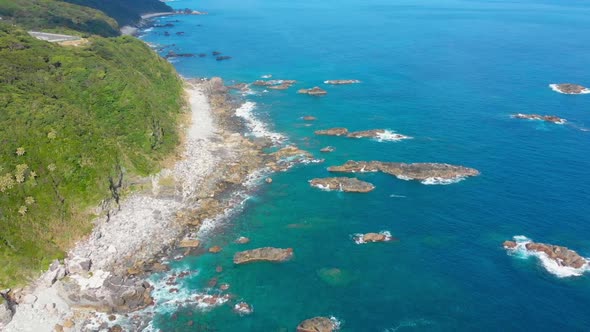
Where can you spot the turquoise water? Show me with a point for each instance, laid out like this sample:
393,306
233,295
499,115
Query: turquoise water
448,73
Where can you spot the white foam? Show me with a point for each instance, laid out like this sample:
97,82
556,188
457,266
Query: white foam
358,237
549,264
441,181
321,187
257,127
555,88
391,136
266,76
336,323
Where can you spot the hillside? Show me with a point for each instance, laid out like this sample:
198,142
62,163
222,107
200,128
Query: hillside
72,119
57,16
126,12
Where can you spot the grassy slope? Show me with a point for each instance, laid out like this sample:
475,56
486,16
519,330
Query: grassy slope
57,16
69,116
126,12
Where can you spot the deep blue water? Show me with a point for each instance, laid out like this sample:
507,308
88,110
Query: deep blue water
448,73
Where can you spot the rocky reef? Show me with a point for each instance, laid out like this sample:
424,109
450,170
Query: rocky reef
343,184
341,82
266,254
318,324
315,91
569,88
547,118
415,171
562,256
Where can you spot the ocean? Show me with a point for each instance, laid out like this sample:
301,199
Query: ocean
448,73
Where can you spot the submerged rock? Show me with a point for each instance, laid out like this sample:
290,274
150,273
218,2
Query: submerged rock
223,57
215,249
343,184
315,91
415,171
242,240
569,88
332,132
317,324
547,118
267,254
309,118
335,276
340,82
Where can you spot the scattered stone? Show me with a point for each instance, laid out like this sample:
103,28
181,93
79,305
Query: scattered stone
317,324
340,82
547,118
415,171
189,243
327,149
267,254
243,308
343,184
309,118
315,91
242,240
210,300
78,265
569,88
268,180
332,132
215,249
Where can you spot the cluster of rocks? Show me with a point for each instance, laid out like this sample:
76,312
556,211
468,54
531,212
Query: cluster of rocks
547,118
275,84
569,88
318,324
372,133
560,255
315,91
342,184
341,82
415,171
266,254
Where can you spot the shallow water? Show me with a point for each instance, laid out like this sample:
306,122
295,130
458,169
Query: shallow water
448,73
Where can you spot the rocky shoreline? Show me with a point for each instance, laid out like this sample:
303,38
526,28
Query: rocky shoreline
106,274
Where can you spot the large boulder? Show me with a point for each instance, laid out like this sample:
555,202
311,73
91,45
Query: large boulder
317,324
569,88
415,171
267,254
332,132
343,184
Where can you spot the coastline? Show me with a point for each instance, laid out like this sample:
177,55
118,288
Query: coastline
107,272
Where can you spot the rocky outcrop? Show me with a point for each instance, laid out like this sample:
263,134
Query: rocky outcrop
315,91
341,82
275,84
267,254
415,171
317,324
547,118
509,244
569,88
332,132
561,255
343,184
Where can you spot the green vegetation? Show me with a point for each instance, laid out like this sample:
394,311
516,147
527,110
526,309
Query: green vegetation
57,16
72,118
126,12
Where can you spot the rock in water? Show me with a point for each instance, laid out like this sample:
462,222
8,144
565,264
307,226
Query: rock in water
243,308
327,149
340,82
547,118
267,254
332,132
189,243
309,118
509,244
569,88
416,171
342,184
561,255
317,324
315,91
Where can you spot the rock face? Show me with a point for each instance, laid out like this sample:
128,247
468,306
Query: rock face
317,324
340,82
416,171
332,132
315,91
267,254
561,255
569,88
548,118
343,184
